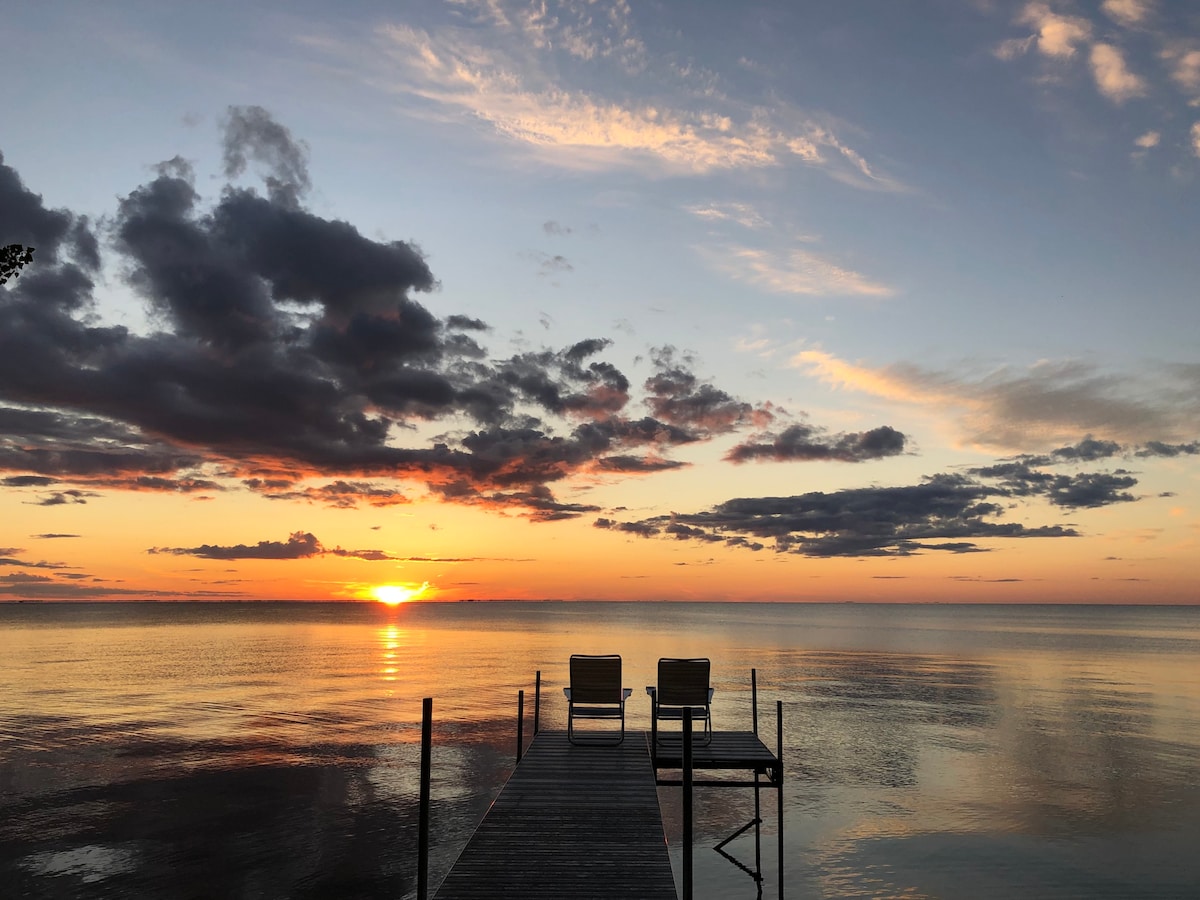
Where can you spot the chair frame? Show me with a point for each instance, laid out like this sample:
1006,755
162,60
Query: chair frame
596,693
682,684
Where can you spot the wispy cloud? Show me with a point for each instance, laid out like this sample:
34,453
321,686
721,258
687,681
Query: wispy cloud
739,213
1012,409
796,271
520,87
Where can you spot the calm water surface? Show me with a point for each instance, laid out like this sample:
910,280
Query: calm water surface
270,750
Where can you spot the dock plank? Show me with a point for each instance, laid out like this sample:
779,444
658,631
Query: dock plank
572,821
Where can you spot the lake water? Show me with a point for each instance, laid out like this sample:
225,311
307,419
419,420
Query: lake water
271,750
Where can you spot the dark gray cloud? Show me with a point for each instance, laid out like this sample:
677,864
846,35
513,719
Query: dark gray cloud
1087,450
252,135
1091,450
946,513
641,529
806,442
27,481
72,496
287,347
679,398
338,494
8,558
1158,448
299,545
53,536
1084,489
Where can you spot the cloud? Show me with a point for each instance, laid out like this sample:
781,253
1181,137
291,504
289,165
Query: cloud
1084,490
1195,133
572,129
299,545
521,89
288,347
946,513
1113,78
1148,140
804,442
1048,403
1158,448
1183,59
556,229
677,397
337,494
8,557
1011,48
251,134
552,265
65,498
1127,12
794,271
1055,35
739,213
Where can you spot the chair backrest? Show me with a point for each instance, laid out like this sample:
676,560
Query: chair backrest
683,682
595,679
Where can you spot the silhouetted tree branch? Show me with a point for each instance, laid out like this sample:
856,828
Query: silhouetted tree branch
12,259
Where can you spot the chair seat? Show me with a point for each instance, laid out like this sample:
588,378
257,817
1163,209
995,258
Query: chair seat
596,712
698,712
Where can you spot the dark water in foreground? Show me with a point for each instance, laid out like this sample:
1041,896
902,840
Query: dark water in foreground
270,750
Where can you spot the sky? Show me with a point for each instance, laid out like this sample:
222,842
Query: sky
496,299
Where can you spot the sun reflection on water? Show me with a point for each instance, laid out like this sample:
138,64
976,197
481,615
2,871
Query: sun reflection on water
392,639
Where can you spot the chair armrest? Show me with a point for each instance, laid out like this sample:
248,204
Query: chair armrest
567,691
625,692
710,693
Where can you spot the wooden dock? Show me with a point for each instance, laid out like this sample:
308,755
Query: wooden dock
572,821
741,751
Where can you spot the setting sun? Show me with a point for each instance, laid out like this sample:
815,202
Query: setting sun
395,594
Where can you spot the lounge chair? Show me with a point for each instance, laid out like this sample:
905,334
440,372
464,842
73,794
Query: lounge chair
682,684
595,693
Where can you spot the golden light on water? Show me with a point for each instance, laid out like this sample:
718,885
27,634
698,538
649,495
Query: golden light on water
395,594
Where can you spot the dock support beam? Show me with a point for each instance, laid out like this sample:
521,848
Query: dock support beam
779,792
537,702
520,723
423,813
754,697
687,803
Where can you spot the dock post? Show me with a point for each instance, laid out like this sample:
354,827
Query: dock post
779,792
520,722
537,701
687,803
423,813
754,697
